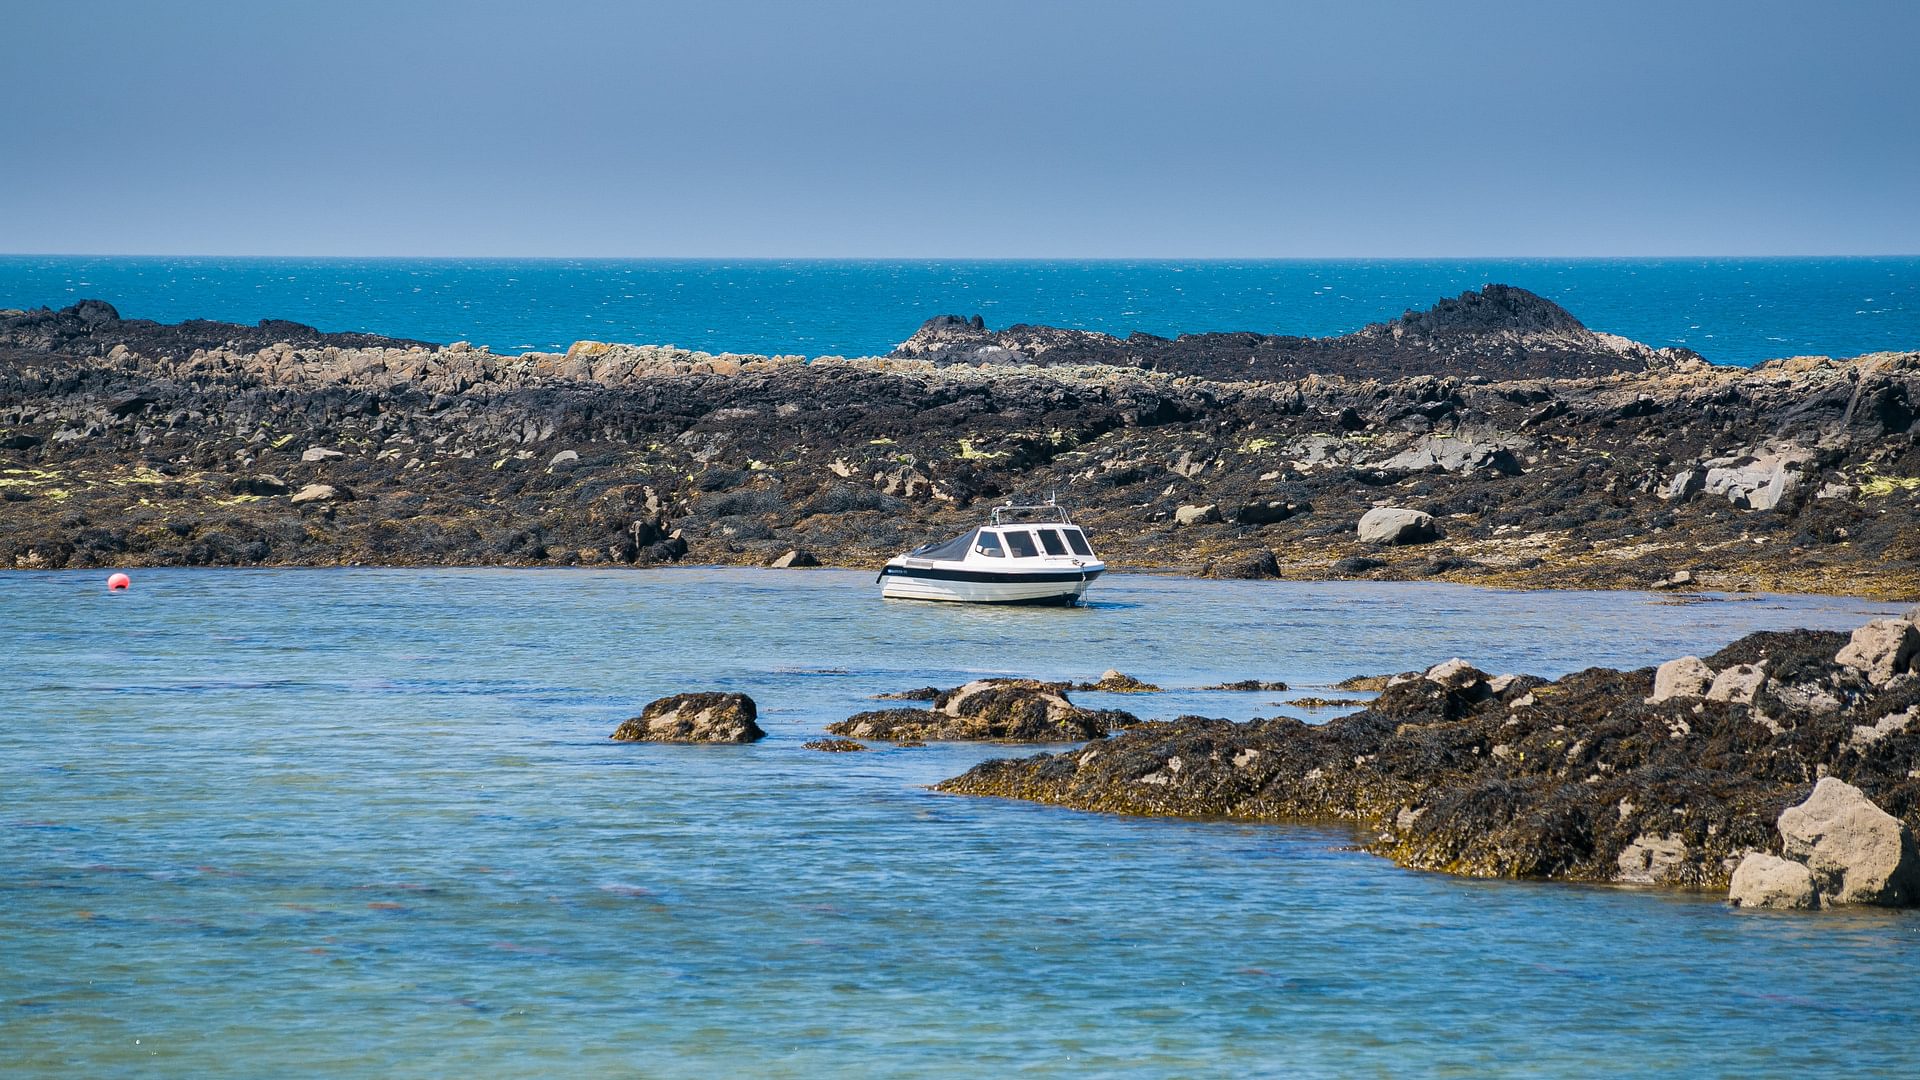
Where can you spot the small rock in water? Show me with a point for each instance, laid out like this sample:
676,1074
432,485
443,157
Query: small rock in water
1247,686
694,718
1769,881
795,557
835,746
1113,682
997,710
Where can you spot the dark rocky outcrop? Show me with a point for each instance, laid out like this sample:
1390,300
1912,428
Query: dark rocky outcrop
990,710
1497,332
94,327
694,718
1582,778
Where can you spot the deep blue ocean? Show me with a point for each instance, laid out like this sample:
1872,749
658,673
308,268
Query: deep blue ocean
1730,310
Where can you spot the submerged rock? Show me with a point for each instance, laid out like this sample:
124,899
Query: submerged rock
990,710
1244,686
694,718
835,746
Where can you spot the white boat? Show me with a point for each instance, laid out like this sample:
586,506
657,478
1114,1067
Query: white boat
1023,555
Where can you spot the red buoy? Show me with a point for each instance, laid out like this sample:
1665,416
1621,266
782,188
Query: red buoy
118,582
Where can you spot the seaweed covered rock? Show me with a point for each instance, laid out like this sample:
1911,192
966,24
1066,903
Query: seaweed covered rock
990,710
1114,681
1583,778
694,718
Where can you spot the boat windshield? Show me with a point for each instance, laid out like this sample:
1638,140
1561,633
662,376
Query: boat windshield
955,549
989,545
1078,542
1051,539
1020,542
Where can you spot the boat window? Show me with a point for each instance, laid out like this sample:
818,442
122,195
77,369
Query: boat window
990,545
1051,538
1078,541
1020,542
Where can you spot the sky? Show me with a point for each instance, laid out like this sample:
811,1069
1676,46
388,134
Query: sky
983,129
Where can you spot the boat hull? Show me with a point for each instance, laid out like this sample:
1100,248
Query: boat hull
984,587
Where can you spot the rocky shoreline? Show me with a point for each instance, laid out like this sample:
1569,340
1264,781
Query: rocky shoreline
1785,767
1524,450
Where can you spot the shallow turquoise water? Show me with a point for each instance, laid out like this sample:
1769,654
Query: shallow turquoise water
1736,311
367,822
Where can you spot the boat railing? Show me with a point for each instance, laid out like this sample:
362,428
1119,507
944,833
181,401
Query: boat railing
1046,513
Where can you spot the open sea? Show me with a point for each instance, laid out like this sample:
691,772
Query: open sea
1732,311
359,822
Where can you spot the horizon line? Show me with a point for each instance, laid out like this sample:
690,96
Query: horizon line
1652,256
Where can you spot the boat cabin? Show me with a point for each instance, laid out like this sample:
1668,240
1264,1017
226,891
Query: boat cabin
1016,532
1022,555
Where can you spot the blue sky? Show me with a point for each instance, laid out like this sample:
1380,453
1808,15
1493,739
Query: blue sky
978,129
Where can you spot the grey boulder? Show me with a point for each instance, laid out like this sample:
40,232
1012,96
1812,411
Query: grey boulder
1739,685
1687,677
1769,881
1197,515
1397,525
1857,852
1882,649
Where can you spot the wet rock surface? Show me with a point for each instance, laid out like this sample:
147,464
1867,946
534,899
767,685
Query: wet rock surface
121,442
990,710
1582,778
694,718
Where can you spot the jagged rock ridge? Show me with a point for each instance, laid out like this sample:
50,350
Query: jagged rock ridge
1500,332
